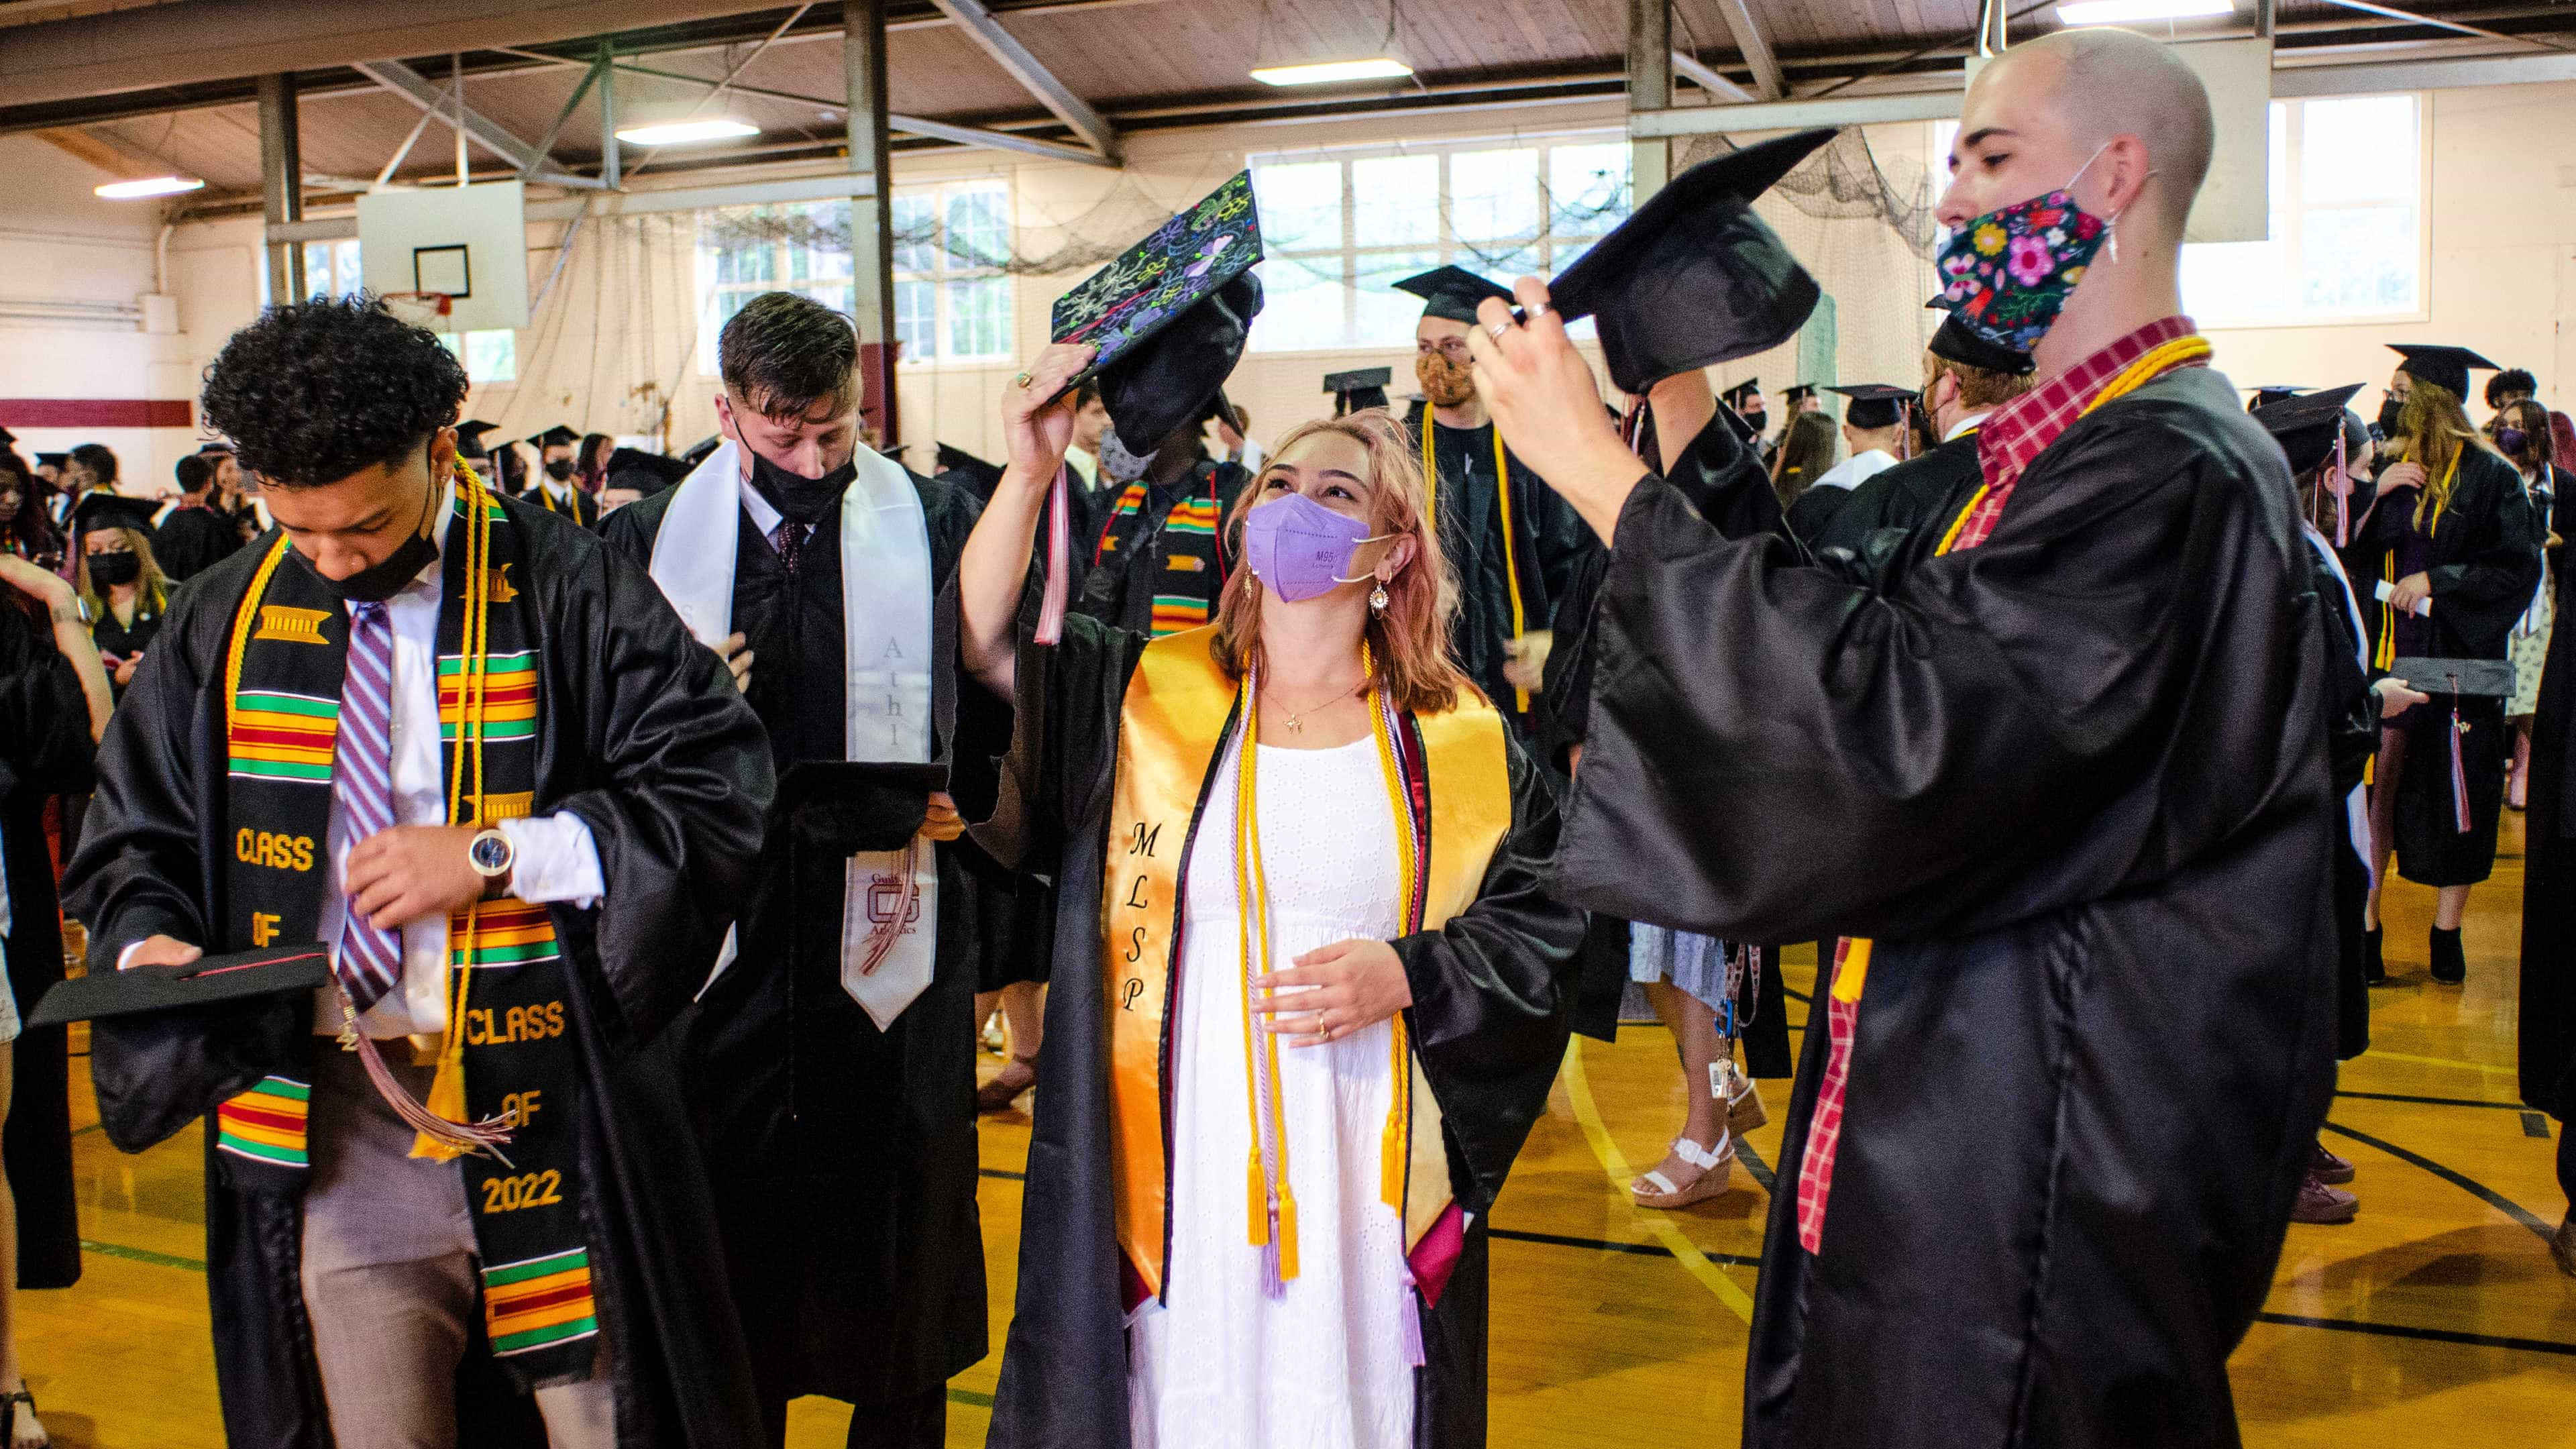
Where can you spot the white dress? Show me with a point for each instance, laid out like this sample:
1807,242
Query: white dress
1325,1365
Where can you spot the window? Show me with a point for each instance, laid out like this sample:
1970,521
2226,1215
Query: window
1339,229
952,246
491,356
2347,233
332,269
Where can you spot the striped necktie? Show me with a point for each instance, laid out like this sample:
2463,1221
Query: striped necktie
370,959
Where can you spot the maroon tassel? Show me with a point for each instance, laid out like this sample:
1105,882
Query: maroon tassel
2459,771
1058,572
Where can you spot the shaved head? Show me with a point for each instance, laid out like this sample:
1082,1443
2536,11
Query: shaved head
2101,83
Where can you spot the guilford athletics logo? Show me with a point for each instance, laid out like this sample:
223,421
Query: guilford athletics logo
294,626
892,895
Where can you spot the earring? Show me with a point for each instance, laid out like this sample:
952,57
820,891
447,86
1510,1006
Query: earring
1377,597
2111,236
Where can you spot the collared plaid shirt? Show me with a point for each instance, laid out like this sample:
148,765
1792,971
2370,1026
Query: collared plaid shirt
2011,437
2022,429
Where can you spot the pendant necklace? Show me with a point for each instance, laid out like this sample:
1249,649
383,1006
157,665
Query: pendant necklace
1297,721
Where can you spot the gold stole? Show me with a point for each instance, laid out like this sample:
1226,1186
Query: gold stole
1177,715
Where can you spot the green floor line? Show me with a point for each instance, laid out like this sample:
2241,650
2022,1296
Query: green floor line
143,1255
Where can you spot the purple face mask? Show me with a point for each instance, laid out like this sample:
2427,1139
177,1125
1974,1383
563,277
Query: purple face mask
1299,547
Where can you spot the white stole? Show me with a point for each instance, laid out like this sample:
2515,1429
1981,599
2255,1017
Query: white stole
885,618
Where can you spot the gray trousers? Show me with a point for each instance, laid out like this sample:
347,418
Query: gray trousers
389,1274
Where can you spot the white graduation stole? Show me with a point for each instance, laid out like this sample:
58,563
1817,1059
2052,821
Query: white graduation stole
885,617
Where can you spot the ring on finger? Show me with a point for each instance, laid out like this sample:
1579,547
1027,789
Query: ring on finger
1020,381
1498,329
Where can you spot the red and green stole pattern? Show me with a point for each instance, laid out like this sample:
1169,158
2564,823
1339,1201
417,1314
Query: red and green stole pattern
1191,566
508,1052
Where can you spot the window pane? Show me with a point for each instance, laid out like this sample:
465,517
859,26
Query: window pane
979,317
492,356
1301,303
347,275
1386,316
2233,280
916,226
2362,149
1587,190
979,234
1396,201
1493,195
2360,259
317,269
916,320
1301,204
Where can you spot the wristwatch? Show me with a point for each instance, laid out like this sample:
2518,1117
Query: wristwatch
491,854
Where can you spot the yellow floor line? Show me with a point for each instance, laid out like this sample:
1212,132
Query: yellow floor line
1578,1089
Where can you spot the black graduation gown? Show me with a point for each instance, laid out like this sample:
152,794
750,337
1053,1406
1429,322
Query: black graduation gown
843,1157
647,741
2484,562
44,751
2074,783
1903,497
1492,993
2546,1020
1548,543
2352,738
1125,562
579,506
193,539
123,640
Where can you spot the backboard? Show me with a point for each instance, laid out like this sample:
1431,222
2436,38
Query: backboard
469,242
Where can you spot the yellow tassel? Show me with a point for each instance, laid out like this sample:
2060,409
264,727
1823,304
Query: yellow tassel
1287,1234
446,1098
1394,1143
1256,1197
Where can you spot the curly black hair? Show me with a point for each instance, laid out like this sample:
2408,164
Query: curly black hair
315,391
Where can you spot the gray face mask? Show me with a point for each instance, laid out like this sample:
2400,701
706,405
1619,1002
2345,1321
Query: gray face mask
1116,463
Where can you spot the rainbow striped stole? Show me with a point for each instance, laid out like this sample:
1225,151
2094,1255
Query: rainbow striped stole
539,1302
269,1123
273,735
509,684
501,933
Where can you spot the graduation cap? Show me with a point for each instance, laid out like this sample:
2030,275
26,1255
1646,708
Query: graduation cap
2306,426
1169,276
2271,393
1694,277
1953,340
469,437
1874,405
1796,396
53,460
7,438
1172,381
270,971
2445,367
982,476
1734,396
1358,390
1453,292
652,471
103,509
557,436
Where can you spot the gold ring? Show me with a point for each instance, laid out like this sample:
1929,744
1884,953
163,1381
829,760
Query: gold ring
1020,381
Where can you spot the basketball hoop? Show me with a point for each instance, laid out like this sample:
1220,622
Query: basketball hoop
421,309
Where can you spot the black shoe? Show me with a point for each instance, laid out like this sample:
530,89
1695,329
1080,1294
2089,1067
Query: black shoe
2374,967
2450,967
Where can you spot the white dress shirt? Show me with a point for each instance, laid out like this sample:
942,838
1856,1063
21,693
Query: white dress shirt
1857,469
556,858
1968,424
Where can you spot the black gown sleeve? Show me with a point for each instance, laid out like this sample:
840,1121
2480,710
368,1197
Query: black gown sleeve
1026,772
675,779
2489,579
44,718
1779,753
1563,544
1493,994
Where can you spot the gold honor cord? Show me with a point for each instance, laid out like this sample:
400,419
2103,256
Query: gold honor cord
1503,492
1266,1175
447,1088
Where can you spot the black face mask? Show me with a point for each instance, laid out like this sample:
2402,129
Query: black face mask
114,570
379,582
1758,420
807,500
559,469
2389,408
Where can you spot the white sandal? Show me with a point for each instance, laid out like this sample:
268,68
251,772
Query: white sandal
1715,1165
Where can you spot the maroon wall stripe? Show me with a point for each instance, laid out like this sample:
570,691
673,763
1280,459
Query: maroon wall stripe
117,412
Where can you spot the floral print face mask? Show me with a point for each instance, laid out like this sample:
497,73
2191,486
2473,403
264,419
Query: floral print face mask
2009,272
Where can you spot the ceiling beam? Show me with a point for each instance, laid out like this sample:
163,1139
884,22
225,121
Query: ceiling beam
414,87
1691,68
909,125
1768,81
107,156
2413,17
977,21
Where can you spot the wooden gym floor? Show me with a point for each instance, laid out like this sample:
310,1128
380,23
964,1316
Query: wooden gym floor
2437,1317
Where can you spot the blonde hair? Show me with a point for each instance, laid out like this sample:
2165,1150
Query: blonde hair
1409,639
151,587
2433,428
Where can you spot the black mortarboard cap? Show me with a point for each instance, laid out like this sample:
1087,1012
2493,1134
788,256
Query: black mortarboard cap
1358,390
1453,292
271,971
1171,382
2446,367
2306,426
1874,405
7,437
1953,340
1798,394
557,436
52,460
469,437
1694,277
1734,396
113,510
866,804
650,472
986,476
2272,393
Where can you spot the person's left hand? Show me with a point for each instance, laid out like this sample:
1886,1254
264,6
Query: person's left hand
1333,991
1525,659
943,823
412,872
2409,591
125,668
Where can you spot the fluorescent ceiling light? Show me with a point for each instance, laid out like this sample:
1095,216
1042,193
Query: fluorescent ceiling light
681,133
2123,12
1379,68
154,186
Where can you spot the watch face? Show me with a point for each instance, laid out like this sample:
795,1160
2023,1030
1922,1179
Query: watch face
491,853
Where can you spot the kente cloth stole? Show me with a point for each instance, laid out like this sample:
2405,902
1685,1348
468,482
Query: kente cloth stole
508,1053
1192,569
1974,525
1177,718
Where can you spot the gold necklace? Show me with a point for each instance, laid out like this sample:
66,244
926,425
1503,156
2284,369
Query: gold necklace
1297,721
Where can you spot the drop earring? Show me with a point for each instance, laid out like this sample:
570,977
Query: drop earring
1377,598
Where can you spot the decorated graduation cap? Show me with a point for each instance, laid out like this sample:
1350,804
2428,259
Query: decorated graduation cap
1170,314
1694,277
1453,292
1874,405
1358,390
2444,367
557,436
2307,425
469,437
1954,340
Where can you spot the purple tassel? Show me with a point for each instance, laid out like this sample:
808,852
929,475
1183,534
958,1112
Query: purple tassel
1412,1315
1272,1286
